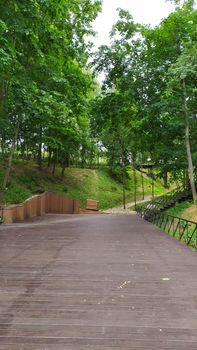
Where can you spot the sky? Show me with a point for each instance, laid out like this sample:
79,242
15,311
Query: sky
143,11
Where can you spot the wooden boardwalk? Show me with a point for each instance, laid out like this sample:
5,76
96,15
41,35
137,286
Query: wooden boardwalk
97,282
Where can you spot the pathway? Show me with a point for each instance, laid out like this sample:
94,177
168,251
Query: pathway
120,209
96,282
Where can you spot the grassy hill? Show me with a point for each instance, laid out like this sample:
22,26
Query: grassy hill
26,180
186,210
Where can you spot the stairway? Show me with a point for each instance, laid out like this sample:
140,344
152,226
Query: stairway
164,202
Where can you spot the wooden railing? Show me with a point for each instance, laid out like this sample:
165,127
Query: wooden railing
44,203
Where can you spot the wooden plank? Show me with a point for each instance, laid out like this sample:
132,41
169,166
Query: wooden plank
98,282
39,205
92,205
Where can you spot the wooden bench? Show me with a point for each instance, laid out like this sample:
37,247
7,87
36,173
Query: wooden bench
92,205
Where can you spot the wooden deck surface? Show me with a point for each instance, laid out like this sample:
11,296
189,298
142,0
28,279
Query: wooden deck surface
96,282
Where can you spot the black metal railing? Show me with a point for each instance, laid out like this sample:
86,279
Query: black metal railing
171,198
177,227
164,202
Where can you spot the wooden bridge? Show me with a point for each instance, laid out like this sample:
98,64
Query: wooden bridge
98,282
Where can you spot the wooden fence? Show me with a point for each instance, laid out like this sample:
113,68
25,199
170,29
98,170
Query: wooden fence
39,205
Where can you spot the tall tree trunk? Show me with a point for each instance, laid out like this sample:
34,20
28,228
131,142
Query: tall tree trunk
142,179
123,187
54,165
135,182
40,150
2,97
65,163
165,179
63,171
7,173
188,147
67,160
55,161
83,159
3,149
2,111
49,157
44,155
186,179
153,186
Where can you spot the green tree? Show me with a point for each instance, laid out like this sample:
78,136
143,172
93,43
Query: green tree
182,88
44,80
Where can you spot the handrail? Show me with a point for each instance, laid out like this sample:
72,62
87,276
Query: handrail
180,228
166,200
178,217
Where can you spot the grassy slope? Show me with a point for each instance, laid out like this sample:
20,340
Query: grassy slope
186,210
27,180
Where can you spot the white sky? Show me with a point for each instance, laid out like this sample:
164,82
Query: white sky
143,11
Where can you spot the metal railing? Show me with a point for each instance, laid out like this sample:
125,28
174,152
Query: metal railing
182,229
169,199
164,202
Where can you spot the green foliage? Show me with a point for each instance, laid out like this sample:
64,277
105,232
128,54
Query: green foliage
27,180
140,114
15,194
46,88
179,208
45,83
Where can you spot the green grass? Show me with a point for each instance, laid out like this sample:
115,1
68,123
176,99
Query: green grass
186,210
158,185
26,180
179,208
110,191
